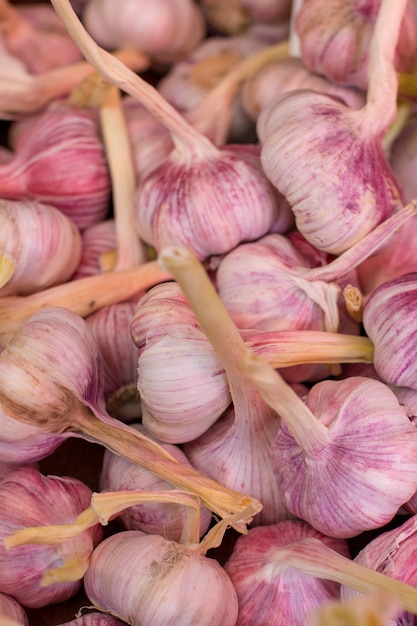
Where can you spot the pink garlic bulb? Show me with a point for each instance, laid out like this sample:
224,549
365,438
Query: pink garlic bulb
111,328
153,518
94,619
388,319
335,200
44,242
270,593
165,30
335,38
98,243
9,607
350,436
403,159
287,75
28,498
30,32
392,553
151,142
169,340
159,582
59,160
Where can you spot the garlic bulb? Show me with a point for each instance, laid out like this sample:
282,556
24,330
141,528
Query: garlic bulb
169,340
28,498
98,244
30,32
164,30
160,582
335,38
111,328
44,242
10,608
237,15
402,158
270,592
59,160
153,518
94,619
334,201
388,319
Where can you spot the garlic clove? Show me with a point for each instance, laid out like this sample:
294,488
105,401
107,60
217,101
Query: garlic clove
12,610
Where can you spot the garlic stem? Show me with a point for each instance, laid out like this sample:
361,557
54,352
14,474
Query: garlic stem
312,557
353,302
204,116
187,140
289,348
82,296
306,429
381,103
130,249
363,249
7,268
72,570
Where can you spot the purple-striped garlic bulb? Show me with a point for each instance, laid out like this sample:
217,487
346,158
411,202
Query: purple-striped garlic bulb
169,340
153,518
28,498
392,553
110,326
342,186
388,319
183,200
160,582
345,459
30,32
335,38
94,619
44,243
165,31
269,591
11,609
59,160
98,244
57,357
287,75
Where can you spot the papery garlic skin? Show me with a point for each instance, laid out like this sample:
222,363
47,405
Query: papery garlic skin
270,594
176,408
94,619
348,189
165,30
153,518
359,480
59,160
335,38
159,583
45,243
210,204
388,319
30,499
9,607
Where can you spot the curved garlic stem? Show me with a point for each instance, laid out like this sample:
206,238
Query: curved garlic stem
381,103
204,117
288,348
130,249
312,557
186,139
363,249
7,268
82,296
306,429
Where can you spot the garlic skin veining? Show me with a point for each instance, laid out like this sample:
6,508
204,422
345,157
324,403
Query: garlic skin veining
169,339
159,582
29,498
269,592
335,38
44,242
94,619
